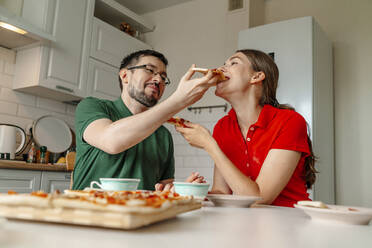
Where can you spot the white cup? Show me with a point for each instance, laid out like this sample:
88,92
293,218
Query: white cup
116,184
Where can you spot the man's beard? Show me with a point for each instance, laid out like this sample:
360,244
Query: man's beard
141,97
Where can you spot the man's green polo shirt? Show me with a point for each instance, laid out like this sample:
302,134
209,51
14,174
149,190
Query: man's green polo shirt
151,160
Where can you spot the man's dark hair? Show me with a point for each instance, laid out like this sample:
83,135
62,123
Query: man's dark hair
132,59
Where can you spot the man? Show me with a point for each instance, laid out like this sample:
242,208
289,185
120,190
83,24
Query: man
124,138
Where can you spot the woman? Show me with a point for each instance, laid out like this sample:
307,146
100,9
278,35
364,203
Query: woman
261,147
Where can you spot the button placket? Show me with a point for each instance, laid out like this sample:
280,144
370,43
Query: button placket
249,139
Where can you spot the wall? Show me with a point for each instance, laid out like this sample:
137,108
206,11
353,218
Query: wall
22,109
190,159
201,32
348,26
192,33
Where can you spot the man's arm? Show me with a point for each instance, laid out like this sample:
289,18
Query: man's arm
118,136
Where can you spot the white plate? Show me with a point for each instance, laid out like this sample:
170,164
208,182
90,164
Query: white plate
339,214
53,133
239,201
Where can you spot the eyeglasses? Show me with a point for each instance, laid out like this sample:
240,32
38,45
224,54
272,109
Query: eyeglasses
151,71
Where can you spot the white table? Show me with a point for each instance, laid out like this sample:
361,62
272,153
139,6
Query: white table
209,227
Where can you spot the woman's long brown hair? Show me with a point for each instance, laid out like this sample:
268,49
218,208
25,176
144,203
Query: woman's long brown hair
262,62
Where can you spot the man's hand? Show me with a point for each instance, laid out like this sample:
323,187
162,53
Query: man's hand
190,90
164,187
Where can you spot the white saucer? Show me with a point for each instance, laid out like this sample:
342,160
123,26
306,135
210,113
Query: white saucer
339,214
98,189
239,201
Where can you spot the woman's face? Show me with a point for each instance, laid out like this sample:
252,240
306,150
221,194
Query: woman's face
238,68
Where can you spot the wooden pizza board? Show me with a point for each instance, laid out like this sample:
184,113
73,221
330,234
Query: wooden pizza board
94,218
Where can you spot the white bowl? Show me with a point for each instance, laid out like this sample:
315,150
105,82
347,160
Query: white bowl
198,190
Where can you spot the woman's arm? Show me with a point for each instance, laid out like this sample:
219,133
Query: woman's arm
275,173
219,184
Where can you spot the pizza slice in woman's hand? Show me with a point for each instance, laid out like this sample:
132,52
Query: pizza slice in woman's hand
177,121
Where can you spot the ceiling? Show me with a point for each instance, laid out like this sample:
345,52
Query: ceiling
144,6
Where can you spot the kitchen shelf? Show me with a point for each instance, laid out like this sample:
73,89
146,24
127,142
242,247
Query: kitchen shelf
21,165
114,13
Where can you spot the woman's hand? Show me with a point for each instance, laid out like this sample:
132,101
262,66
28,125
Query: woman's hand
196,135
195,178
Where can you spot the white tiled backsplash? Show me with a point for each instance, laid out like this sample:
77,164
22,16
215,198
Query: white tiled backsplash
22,109
190,159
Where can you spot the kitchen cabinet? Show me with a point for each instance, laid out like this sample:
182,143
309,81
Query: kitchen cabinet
26,181
62,70
21,181
58,71
103,80
109,46
52,181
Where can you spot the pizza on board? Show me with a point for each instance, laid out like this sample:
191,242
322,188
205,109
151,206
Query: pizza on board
114,201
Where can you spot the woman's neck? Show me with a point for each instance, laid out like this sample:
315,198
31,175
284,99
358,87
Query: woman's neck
247,112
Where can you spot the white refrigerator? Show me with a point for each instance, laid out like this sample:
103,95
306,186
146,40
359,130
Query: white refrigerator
304,57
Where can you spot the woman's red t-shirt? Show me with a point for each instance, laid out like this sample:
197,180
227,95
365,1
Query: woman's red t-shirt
275,129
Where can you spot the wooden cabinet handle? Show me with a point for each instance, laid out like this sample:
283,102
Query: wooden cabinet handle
64,88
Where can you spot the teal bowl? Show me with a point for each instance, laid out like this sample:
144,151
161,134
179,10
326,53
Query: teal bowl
198,190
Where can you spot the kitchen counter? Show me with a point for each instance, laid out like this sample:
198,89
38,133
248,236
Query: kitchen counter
21,165
208,227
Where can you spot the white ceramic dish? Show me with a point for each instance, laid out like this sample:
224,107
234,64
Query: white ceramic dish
53,133
116,184
238,201
339,214
198,190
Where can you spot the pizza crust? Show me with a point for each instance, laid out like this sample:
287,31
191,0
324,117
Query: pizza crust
25,200
221,75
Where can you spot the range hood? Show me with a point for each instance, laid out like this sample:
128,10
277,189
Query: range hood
11,40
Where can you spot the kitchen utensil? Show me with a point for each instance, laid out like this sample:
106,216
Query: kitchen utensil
8,134
53,133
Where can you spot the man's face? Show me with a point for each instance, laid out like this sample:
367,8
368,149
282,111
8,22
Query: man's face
145,85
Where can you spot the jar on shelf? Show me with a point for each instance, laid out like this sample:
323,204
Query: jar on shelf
31,156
